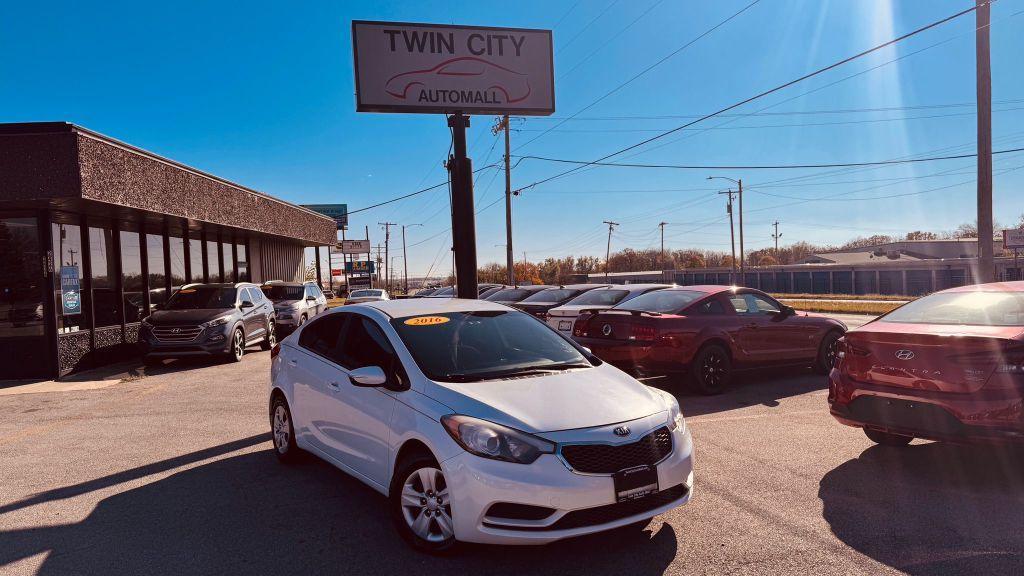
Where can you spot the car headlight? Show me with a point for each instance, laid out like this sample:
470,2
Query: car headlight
146,323
216,322
490,440
283,316
675,414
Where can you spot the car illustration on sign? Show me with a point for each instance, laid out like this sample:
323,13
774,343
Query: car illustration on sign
458,80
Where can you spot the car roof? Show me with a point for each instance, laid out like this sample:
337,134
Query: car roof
711,288
280,283
1014,286
420,306
635,287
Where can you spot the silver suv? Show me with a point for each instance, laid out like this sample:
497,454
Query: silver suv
294,302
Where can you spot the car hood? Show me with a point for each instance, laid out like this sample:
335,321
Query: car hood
287,303
562,401
179,317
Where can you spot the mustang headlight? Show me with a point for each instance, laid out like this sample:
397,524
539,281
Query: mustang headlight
216,322
490,440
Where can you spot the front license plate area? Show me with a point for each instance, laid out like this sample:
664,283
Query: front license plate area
634,483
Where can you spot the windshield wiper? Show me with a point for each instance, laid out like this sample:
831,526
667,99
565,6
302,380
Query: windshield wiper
526,371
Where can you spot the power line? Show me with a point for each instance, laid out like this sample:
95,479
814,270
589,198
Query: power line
588,25
610,39
411,194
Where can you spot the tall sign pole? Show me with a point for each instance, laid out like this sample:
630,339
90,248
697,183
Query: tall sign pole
460,167
508,205
986,260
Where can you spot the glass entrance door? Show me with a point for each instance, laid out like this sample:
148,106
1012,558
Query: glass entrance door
24,350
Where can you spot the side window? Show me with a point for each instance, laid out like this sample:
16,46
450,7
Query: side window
366,345
321,336
712,307
242,295
739,303
257,295
760,305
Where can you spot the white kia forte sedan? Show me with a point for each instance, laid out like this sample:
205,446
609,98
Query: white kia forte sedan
479,422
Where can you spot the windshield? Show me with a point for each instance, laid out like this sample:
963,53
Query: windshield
202,297
508,295
470,346
277,293
552,295
972,308
365,294
662,301
449,291
599,298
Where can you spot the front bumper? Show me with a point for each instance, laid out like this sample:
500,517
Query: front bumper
582,501
210,342
994,416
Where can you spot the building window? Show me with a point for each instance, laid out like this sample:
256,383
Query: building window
105,299
67,276
131,276
157,277
21,304
243,262
212,256
195,256
229,262
176,247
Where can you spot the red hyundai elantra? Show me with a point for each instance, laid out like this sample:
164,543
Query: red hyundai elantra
949,366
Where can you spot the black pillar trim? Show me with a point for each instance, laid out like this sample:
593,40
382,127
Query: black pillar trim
206,258
234,259
144,260
186,251
49,306
167,260
115,233
220,256
88,310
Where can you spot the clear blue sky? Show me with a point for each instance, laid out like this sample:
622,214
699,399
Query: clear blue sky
262,94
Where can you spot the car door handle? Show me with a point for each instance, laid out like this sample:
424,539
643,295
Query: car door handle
334,386
293,363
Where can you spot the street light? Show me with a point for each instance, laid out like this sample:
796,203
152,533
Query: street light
739,183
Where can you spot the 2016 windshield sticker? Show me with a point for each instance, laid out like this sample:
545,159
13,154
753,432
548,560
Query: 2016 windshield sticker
427,320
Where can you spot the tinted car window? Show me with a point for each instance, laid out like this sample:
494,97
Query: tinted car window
365,294
202,297
552,295
365,345
600,297
283,292
972,308
321,336
663,301
467,346
752,304
508,295
257,295
712,307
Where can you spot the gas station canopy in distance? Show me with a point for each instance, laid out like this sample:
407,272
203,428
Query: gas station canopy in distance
436,68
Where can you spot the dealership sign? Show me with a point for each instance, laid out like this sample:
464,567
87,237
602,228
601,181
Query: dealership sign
1013,238
360,267
337,212
351,247
434,68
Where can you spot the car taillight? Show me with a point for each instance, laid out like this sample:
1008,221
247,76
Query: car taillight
275,351
579,325
642,333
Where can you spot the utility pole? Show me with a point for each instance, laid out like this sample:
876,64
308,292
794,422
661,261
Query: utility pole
776,237
405,260
502,124
387,263
608,251
732,237
983,68
662,226
739,184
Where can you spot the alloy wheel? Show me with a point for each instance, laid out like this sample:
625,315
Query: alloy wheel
282,429
271,334
239,345
713,369
830,353
426,506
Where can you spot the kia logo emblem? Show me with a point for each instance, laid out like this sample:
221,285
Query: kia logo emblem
607,331
621,431
905,354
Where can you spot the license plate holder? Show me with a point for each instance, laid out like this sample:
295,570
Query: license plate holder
564,325
634,483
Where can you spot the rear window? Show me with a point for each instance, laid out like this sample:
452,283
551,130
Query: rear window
552,295
508,295
971,308
663,301
599,298
365,294
449,291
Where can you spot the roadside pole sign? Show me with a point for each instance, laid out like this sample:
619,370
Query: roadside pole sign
70,286
351,247
360,267
338,212
437,68
1013,238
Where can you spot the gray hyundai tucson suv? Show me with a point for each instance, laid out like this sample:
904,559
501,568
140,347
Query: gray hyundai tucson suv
294,303
209,320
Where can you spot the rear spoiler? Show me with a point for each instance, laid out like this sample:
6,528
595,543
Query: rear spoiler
630,312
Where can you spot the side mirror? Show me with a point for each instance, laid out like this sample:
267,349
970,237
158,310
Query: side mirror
247,304
310,298
368,376
587,350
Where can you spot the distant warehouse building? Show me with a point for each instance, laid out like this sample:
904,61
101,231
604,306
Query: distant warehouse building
95,233
910,268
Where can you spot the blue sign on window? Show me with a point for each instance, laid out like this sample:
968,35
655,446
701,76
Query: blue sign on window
70,290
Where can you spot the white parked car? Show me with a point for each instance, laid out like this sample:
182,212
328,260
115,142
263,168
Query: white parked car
368,295
561,317
479,423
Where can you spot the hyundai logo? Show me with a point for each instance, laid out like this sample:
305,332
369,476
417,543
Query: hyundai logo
176,331
905,354
607,331
621,431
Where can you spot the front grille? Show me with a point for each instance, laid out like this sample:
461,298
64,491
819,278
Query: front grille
609,459
176,333
607,513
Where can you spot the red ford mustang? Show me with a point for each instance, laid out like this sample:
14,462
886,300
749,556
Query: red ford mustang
708,331
949,366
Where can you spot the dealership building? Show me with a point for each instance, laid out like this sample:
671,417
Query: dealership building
95,233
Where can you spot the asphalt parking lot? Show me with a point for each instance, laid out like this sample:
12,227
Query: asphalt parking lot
174,473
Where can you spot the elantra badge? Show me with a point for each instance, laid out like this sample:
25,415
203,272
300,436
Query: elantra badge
905,354
606,329
621,431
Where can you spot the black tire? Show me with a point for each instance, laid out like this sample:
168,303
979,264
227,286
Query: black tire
887,438
271,338
302,320
827,352
237,350
711,370
282,431
398,512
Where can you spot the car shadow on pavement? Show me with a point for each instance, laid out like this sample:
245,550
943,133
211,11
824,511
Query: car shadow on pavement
931,508
765,387
248,514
